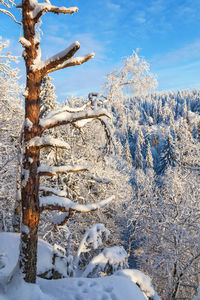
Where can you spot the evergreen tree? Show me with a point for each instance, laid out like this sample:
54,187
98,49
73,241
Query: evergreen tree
149,157
47,96
168,156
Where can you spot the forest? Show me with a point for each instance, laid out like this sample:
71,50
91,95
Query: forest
96,190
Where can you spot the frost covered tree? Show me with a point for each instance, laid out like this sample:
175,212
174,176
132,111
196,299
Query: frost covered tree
167,231
47,96
11,112
34,127
88,143
168,156
5,60
134,76
149,157
132,79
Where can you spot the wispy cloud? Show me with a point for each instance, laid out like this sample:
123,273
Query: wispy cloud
112,5
80,80
140,17
182,77
88,43
177,56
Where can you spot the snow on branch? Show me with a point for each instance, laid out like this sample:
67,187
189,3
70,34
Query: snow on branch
65,204
51,171
101,179
142,280
24,42
40,8
56,60
75,61
53,191
64,117
66,108
46,141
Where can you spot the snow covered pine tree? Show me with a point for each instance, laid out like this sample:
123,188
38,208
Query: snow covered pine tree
34,127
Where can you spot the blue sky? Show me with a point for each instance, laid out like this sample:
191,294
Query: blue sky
167,32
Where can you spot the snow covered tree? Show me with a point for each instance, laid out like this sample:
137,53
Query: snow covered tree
149,157
5,61
107,173
124,88
134,76
168,156
34,127
47,96
11,112
167,233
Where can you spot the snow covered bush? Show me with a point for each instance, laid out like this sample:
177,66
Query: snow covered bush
106,262
91,260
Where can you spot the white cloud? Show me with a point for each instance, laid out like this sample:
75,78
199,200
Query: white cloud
177,56
90,44
80,80
140,17
112,5
54,44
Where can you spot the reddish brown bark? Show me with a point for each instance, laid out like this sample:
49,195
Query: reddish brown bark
32,129
30,178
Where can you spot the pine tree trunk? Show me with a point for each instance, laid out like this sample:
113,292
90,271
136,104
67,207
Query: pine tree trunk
31,157
31,13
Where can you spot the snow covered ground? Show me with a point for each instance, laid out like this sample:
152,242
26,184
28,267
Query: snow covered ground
120,286
107,288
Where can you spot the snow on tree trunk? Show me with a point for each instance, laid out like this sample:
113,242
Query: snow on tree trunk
36,70
30,177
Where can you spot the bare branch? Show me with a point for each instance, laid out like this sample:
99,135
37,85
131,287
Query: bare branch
191,168
51,171
6,12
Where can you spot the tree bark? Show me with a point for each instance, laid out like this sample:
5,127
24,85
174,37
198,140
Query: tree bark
32,128
30,178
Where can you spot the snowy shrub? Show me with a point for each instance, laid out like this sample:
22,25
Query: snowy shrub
107,262
90,260
93,239
62,265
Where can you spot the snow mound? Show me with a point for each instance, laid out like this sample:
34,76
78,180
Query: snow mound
9,252
124,285
142,280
